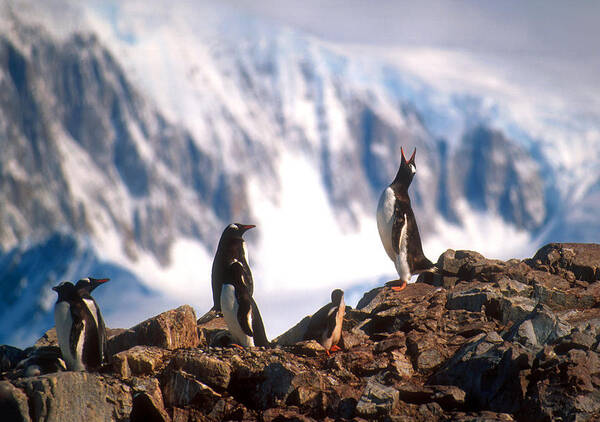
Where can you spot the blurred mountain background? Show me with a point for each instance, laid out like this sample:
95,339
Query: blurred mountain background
132,133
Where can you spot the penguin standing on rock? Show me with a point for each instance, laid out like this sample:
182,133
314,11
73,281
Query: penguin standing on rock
239,308
325,325
79,325
231,246
398,227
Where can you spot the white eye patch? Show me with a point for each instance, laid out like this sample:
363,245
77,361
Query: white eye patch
413,169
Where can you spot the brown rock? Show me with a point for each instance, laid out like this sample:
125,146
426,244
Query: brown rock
181,389
146,409
583,260
171,330
139,360
308,348
377,400
207,369
48,339
13,403
76,396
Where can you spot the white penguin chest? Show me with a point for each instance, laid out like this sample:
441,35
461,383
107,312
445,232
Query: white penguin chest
385,224
72,354
385,220
229,307
337,331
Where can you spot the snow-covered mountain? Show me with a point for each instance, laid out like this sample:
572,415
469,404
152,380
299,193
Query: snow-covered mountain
132,135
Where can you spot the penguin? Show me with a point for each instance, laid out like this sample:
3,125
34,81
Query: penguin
40,361
325,325
84,287
239,308
231,246
398,227
79,326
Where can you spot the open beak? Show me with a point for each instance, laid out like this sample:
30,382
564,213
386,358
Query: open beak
95,282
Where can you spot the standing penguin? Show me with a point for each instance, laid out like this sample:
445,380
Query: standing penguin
239,308
79,326
325,325
84,287
398,228
231,246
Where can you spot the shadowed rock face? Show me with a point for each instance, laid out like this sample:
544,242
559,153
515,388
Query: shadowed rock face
502,341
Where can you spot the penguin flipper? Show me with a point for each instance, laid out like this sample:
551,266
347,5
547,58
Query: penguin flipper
260,336
76,333
245,315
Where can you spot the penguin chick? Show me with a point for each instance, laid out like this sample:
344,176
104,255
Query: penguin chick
325,325
231,246
239,308
398,227
79,328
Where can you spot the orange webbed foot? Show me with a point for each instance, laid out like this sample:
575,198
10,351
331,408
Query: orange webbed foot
396,285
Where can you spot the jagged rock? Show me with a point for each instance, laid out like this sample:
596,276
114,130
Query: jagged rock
13,403
402,364
207,369
145,409
139,360
181,389
171,330
48,339
471,367
284,415
377,400
514,340
76,396
449,397
583,260
539,328
308,348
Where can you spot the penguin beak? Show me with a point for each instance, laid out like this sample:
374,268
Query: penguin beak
247,227
55,288
95,282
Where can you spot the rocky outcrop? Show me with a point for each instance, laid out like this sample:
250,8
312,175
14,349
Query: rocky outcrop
488,340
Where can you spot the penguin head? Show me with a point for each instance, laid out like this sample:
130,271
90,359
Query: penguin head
66,291
406,172
336,296
236,230
88,284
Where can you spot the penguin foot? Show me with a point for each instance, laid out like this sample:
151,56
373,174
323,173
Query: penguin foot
332,349
396,285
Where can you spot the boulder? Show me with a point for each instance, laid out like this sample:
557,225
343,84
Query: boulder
139,360
14,404
377,400
76,396
170,330
209,370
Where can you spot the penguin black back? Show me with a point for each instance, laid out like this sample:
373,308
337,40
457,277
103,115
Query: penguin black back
324,322
231,246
